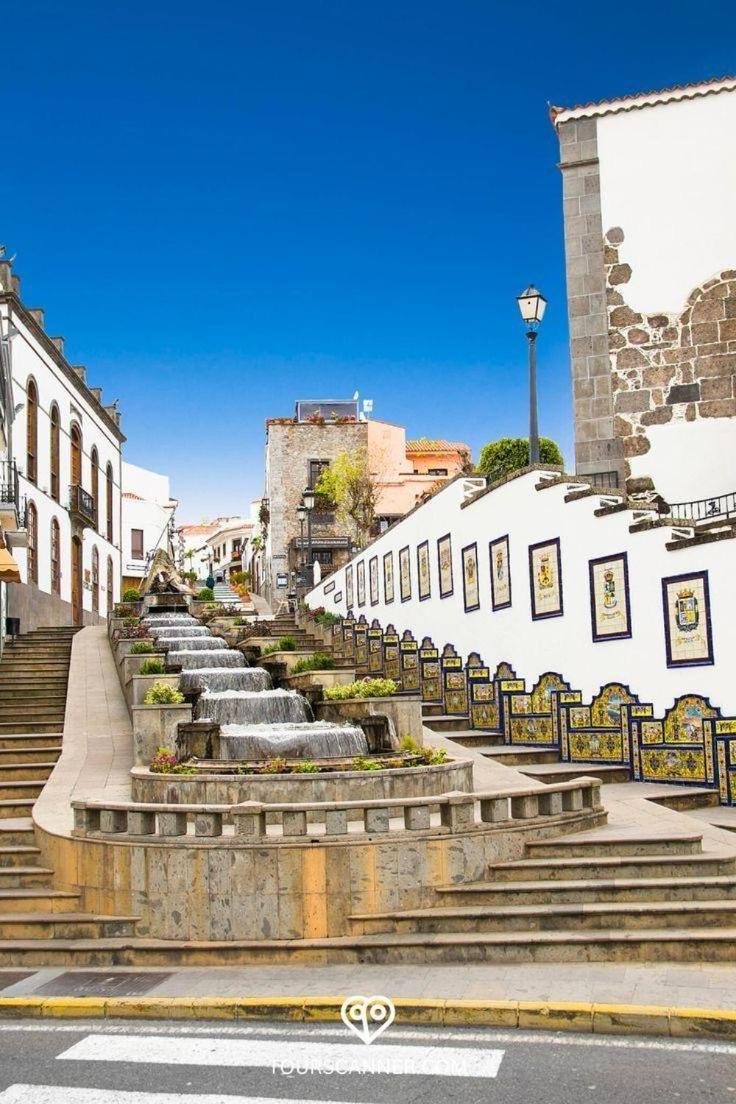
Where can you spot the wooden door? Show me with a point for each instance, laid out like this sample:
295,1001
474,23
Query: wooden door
76,581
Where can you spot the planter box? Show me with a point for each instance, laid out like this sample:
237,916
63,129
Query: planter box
122,648
312,679
130,664
404,714
282,659
156,726
137,686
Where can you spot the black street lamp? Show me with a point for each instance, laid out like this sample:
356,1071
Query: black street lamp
301,513
532,305
308,500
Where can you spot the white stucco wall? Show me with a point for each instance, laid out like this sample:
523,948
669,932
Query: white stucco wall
149,511
563,643
668,179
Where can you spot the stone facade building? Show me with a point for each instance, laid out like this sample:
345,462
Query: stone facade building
648,186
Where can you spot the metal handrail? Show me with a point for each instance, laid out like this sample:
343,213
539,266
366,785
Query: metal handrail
9,482
703,509
82,502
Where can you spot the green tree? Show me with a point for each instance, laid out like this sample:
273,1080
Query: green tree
348,483
509,454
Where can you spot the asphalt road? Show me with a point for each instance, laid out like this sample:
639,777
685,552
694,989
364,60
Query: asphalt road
213,1063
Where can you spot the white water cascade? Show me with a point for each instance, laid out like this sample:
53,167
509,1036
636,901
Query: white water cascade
256,720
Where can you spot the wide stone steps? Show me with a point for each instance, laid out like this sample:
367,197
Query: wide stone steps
512,756
24,708
718,887
63,925
615,866
45,755
40,898
24,772
17,830
474,738
20,790
550,773
605,843
18,728
19,742
19,854
20,877
16,807
445,722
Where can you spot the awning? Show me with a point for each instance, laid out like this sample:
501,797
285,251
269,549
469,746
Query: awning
9,570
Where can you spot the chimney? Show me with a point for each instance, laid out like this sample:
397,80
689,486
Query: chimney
113,411
97,392
58,342
81,371
6,276
16,284
37,314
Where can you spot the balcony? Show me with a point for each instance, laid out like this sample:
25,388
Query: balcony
10,508
82,507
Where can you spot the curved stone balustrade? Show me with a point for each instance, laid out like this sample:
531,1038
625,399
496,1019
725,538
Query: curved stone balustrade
457,814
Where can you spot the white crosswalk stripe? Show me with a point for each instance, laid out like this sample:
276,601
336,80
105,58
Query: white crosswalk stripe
62,1094
299,1056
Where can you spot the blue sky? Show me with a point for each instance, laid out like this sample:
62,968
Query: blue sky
226,207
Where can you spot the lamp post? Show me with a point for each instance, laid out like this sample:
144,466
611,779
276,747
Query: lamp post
308,499
301,513
532,305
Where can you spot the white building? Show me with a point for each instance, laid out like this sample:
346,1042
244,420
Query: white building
64,445
194,552
225,548
148,510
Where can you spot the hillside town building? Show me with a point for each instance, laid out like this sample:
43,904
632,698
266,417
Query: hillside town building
148,520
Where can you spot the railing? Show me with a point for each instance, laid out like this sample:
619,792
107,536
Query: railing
292,821
9,483
83,505
702,509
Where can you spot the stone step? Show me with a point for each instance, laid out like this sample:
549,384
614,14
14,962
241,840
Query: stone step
41,708
18,854
615,866
590,890
474,737
608,843
32,899
19,728
550,773
45,755
10,790
20,741
16,807
17,831
37,693
512,756
446,723
432,709
63,925
688,799
644,945
551,917
24,772
21,877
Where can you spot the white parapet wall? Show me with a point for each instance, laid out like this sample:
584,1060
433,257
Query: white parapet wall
565,642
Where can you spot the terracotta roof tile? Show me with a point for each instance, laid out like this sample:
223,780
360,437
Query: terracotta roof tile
637,100
435,444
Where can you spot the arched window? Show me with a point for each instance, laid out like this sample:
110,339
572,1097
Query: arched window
32,431
55,557
55,452
95,579
109,503
76,459
95,485
110,585
32,526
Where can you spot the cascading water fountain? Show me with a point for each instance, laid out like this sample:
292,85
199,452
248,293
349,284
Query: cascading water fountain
255,720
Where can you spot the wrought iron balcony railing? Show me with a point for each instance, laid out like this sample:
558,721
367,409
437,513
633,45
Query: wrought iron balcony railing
9,484
703,509
82,506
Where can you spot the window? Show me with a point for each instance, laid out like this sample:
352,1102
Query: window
76,458
322,557
95,579
110,587
31,431
237,546
55,452
436,471
32,526
55,557
316,467
136,544
108,479
95,482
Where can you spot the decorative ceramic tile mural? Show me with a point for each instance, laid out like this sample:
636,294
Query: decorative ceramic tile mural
388,578
610,610
329,587
423,581
471,591
349,595
404,574
545,579
500,573
360,572
687,624
373,579
444,564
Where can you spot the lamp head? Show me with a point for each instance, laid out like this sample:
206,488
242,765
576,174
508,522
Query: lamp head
308,498
532,305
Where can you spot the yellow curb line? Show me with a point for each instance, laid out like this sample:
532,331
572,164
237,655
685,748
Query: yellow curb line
605,1019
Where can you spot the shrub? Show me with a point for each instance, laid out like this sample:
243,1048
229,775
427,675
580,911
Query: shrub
134,630
324,617
240,621
163,694
131,620
141,647
434,756
409,744
365,688
305,766
152,667
318,661
124,609
275,765
363,763
509,454
130,594
206,594
166,762
287,644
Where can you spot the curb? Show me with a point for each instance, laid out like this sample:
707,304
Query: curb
603,1019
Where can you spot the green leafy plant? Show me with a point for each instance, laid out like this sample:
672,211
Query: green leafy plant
152,667
206,594
325,617
363,763
141,647
434,756
124,609
166,762
130,594
275,765
318,661
366,688
304,766
131,620
409,744
240,621
348,482
163,694
510,454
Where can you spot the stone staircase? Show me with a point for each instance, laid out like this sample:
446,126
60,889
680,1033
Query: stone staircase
33,684
224,593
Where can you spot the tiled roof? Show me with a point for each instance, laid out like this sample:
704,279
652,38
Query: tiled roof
129,494
435,444
643,99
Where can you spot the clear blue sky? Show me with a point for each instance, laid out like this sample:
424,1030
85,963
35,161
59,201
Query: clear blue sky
224,207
